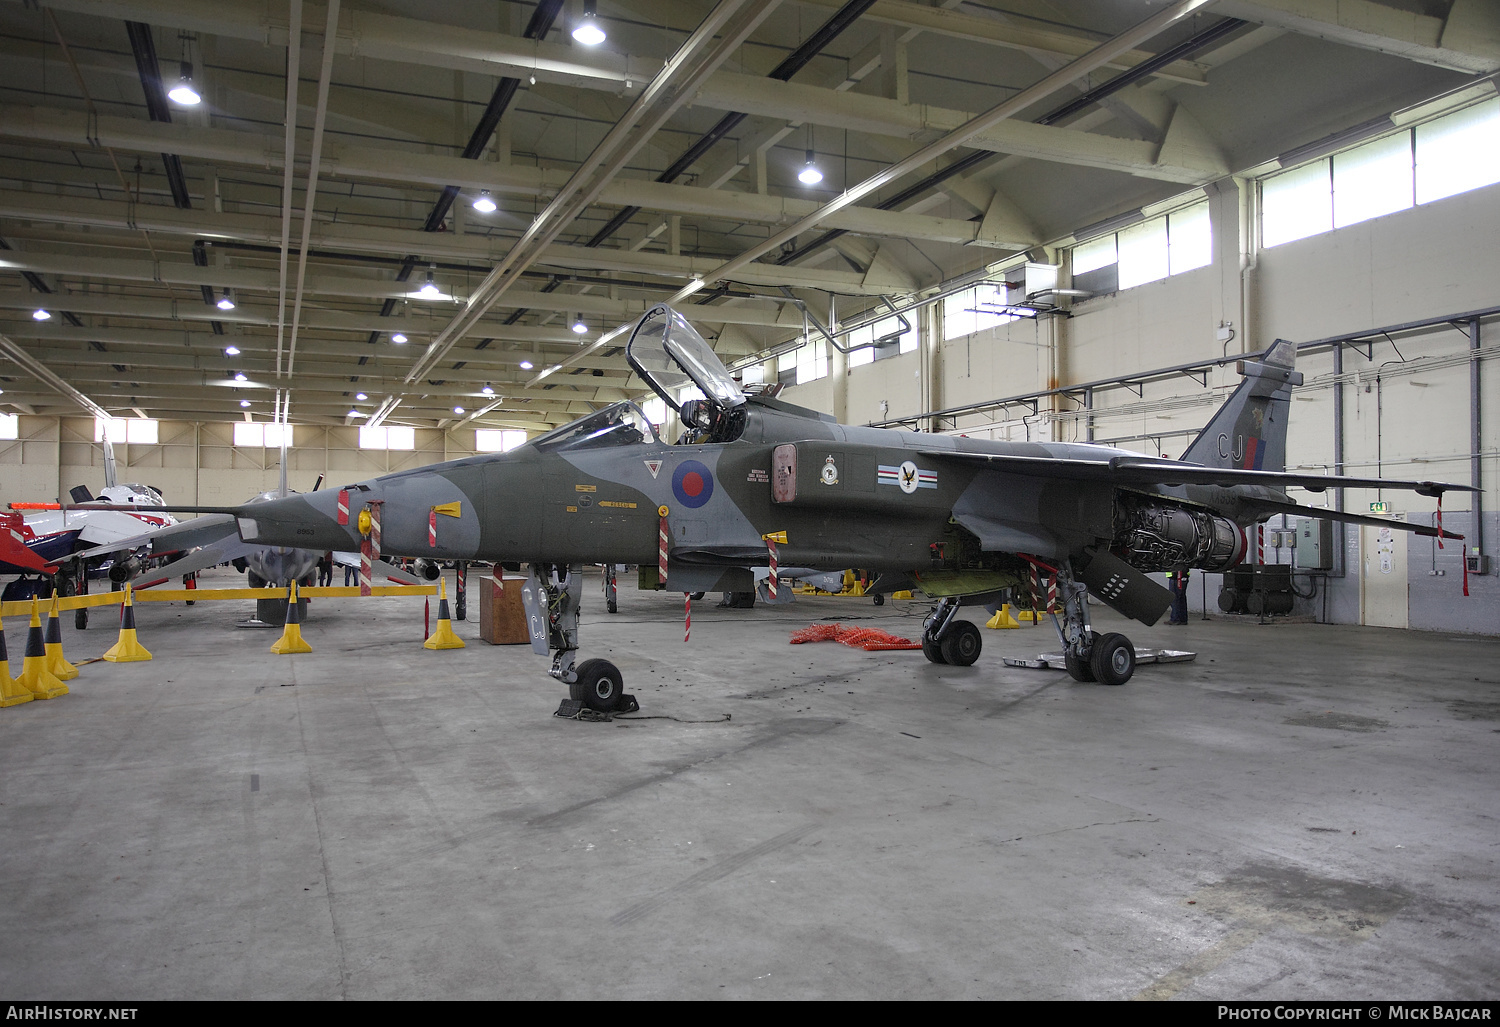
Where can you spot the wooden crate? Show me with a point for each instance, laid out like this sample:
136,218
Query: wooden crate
502,618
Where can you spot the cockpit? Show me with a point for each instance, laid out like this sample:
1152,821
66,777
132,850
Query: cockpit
619,424
669,354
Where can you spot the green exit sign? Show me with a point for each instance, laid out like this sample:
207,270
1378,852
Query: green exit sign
1380,508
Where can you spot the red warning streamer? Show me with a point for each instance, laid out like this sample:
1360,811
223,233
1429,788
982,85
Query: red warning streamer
687,616
432,528
343,517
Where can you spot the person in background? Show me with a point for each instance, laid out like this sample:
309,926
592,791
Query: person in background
1177,581
325,569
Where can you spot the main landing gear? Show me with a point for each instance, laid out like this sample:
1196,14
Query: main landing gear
1108,659
945,639
552,596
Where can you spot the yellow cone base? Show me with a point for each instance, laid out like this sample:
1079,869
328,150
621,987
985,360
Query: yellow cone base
291,641
12,692
1002,618
42,683
58,665
443,637
127,649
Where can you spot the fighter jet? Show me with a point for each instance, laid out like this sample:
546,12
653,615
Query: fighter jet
958,519
62,544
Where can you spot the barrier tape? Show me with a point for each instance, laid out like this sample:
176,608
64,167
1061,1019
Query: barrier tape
170,595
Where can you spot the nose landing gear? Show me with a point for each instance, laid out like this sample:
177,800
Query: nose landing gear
552,597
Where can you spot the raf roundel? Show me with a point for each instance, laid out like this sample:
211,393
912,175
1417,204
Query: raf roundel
692,484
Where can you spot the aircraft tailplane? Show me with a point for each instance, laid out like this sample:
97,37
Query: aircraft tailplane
1249,431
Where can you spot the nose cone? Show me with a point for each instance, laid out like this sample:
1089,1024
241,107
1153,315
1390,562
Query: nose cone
306,521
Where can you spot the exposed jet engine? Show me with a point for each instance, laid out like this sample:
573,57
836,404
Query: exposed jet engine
1155,537
428,570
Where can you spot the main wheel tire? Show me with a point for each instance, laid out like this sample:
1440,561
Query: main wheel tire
879,599
81,618
1112,659
612,605
254,580
961,644
932,650
745,600
697,596
599,685
1079,669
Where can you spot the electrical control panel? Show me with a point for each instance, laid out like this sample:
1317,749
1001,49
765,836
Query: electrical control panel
1313,546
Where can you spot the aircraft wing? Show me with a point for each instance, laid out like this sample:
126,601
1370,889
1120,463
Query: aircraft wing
1124,470
200,531
210,554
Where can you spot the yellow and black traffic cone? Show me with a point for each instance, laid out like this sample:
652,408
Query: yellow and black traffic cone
128,649
443,637
35,676
56,662
291,640
12,692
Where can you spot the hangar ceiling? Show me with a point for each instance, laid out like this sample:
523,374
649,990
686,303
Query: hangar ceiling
622,173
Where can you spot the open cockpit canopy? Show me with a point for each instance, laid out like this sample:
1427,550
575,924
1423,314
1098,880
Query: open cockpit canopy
668,353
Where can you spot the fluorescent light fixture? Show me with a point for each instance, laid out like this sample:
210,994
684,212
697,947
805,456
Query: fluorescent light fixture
361,396
225,303
484,204
244,402
458,410
231,351
398,338
183,92
580,327
429,290
40,315
239,376
810,175
488,390
587,31
526,365
356,413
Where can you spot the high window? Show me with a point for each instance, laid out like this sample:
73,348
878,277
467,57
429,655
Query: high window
134,430
974,310
1149,251
1443,157
885,338
499,440
10,426
382,437
250,435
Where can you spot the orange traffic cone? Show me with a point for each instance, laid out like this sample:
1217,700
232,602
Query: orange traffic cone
34,673
56,662
443,637
128,649
12,692
291,636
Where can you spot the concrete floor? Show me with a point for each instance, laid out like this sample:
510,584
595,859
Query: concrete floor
1305,812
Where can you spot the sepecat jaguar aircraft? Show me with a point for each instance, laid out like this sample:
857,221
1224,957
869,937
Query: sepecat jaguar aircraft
958,519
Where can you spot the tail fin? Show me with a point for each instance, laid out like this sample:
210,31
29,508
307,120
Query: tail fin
1249,431
109,465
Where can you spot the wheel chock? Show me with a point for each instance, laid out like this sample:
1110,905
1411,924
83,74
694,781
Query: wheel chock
443,637
35,676
12,692
291,640
56,662
128,649
1002,618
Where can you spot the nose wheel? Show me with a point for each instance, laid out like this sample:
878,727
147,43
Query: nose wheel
945,639
553,599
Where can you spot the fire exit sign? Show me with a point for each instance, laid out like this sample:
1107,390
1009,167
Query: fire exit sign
1380,508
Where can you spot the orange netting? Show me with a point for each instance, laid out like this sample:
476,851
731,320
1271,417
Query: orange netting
868,639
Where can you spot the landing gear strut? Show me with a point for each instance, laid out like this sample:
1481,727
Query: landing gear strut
945,639
552,597
1108,659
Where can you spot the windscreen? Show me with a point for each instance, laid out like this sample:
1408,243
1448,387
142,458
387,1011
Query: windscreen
669,353
622,424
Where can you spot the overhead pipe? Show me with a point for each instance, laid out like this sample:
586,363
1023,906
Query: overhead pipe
1094,59
979,157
